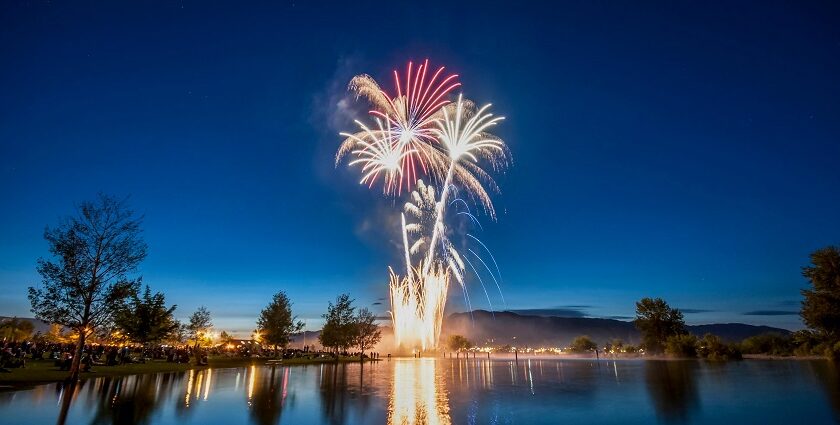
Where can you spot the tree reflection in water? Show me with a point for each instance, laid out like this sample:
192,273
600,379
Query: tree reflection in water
128,400
435,391
418,394
828,375
342,394
672,388
267,393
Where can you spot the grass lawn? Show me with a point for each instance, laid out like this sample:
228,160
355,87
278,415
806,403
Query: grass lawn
45,371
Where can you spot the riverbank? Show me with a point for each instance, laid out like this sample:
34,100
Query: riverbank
44,371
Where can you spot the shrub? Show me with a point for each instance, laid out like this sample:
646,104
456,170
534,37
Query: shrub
712,348
684,345
768,343
582,344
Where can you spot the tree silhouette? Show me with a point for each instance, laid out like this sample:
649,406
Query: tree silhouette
85,282
276,323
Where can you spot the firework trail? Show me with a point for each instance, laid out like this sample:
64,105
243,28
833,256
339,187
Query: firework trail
464,138
420,131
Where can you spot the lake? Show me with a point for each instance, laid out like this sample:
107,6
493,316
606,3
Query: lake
540,390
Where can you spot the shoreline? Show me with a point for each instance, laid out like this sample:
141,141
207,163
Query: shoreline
38,372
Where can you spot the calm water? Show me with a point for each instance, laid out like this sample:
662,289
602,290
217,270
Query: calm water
445,391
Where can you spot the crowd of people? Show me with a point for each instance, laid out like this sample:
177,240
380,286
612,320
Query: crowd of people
16,354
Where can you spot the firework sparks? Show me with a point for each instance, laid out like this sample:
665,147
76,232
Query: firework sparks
463,134
417,306
411,115
419,130
378,154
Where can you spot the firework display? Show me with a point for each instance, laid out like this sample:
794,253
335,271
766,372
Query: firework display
420,132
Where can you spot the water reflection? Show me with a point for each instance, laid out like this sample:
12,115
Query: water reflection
442,392
334,390
347,393
418,394
129,400
828,375
672,387
267,394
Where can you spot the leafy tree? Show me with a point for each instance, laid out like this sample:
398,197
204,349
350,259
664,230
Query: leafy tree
615,346
657,321
178,335
366,333
57,335
458,343
821,306
712,348
681,345
582,344
146,319
85,282
199,326
276,323
805,343
338,324
225,337
767,343
14,329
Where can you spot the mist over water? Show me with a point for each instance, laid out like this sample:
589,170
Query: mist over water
535,390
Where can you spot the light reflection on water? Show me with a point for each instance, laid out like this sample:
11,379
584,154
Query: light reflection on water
418,394
448,391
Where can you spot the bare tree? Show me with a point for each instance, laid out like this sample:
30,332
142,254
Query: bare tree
85,282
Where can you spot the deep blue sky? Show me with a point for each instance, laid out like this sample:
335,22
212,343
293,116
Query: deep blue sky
685,149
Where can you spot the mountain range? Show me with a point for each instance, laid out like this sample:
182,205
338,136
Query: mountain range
501,328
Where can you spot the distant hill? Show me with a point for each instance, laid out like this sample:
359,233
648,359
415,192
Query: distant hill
552,331
310,338
547,331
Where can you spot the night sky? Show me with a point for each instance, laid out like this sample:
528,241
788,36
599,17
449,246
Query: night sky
684,150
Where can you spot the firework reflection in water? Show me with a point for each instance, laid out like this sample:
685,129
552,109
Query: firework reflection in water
418,395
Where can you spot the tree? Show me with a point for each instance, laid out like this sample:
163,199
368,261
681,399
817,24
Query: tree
146,320
14,329
366,333
656,321
681,345
458,343
711,347
821,306
57,335
805,343
178,335
767,343
276,323
85,281
582,344
199,326
338,324
615,346
225,338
